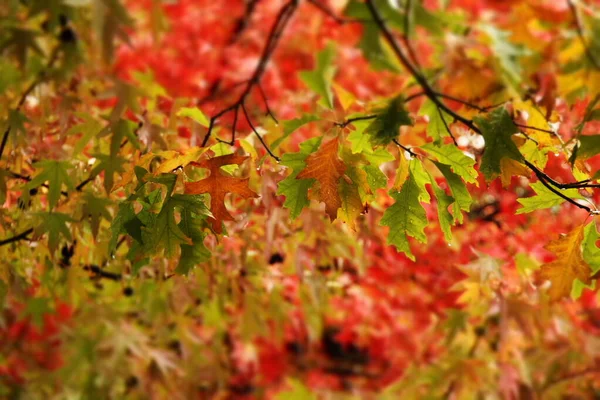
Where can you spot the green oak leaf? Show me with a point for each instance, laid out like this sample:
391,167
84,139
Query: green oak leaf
375,178
450,155
406,217
497,130
443,202
591,252
359,140
462,197
387,123
319,80
296,190
421,178
436,128
290,127
545,198
588,147
195,114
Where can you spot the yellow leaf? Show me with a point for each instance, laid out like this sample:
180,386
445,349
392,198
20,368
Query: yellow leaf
174,160
351,206
127,177
511,168
401,172
534,117
325,166
345,97
568,266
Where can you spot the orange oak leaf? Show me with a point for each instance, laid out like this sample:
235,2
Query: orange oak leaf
325,166
568,266
218,185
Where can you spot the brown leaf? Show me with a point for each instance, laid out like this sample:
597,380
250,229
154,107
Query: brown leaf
218,185
325,166
568,266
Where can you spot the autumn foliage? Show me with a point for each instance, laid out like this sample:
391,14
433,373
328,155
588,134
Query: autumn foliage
299,199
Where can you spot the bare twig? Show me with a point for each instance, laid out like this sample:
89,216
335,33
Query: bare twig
434,96
281,21
409,151
240,26
21,236
329,12
429,92
533,128
595,62
351,120
41,76
257,134
446,126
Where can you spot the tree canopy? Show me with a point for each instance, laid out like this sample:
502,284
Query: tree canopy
299,199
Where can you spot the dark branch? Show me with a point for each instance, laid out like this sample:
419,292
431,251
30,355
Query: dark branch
409,151
281,22
351,120
329,12
427,89
258,134
551,184
21,236
579,27
446,126
41,76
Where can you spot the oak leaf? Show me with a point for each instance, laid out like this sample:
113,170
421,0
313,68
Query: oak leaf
218,185
510,168
327,168
568,266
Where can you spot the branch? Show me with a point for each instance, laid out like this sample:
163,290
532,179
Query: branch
446,126
427,89
409,151
545,179
435,98
351,120
282,20
331,14
41,76
569,376
21,236
240,26
579,27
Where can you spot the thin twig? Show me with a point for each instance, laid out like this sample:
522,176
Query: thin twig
533,128
329,12
579,28
429,92
264,96
21,236
435,98
409,151
281,21
545,179
41,76
240,26
258,134
446,126
351,120
569,376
